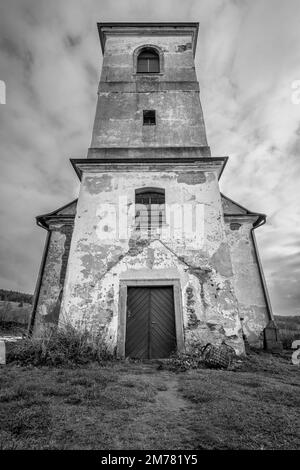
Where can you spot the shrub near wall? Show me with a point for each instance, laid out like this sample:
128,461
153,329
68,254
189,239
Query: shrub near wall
59,347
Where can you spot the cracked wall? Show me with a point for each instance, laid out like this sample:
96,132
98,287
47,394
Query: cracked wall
53,278
247,281
99,258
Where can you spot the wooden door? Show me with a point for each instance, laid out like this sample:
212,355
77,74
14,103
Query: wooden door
150,323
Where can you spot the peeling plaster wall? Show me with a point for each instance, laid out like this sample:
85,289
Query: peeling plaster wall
247,282
49,302
215,266
173,94
98,258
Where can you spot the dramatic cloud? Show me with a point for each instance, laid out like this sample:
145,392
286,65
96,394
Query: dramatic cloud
247,60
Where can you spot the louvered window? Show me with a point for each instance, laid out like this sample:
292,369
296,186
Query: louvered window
149,208
148,61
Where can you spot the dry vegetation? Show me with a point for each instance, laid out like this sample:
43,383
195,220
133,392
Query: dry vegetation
66,392
126,405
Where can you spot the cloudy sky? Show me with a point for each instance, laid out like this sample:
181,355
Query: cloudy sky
248,60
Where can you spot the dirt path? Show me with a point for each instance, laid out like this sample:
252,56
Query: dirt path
170,399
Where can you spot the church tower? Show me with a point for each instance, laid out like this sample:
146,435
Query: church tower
152,256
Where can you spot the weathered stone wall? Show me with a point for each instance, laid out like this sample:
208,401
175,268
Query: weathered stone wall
53,277
247,282
99,258
173,94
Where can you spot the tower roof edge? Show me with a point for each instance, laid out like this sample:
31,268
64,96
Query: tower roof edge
165,28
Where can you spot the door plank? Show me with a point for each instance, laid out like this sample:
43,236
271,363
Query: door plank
163,330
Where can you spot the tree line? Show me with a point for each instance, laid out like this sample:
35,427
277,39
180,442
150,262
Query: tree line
14,296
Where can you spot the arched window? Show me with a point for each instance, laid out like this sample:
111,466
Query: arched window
149,208
148,61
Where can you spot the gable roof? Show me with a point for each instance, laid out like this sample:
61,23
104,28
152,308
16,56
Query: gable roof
232,208
66,211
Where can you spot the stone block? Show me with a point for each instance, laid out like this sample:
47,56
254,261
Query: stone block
272,340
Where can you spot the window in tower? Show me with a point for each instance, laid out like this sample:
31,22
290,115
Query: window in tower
149,118
148,61
149,208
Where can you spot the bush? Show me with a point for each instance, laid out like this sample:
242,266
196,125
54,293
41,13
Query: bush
60,346
199,358
180,362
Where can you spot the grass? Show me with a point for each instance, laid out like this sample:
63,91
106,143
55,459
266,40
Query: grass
124,405
60,346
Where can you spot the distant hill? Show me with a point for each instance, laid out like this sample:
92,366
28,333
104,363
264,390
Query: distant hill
289,321
14,296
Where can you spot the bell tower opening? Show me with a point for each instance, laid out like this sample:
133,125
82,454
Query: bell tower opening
148,61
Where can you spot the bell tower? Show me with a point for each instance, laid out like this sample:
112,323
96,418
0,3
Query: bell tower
148,67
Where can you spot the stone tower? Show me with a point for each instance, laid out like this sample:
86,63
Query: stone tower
152,256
